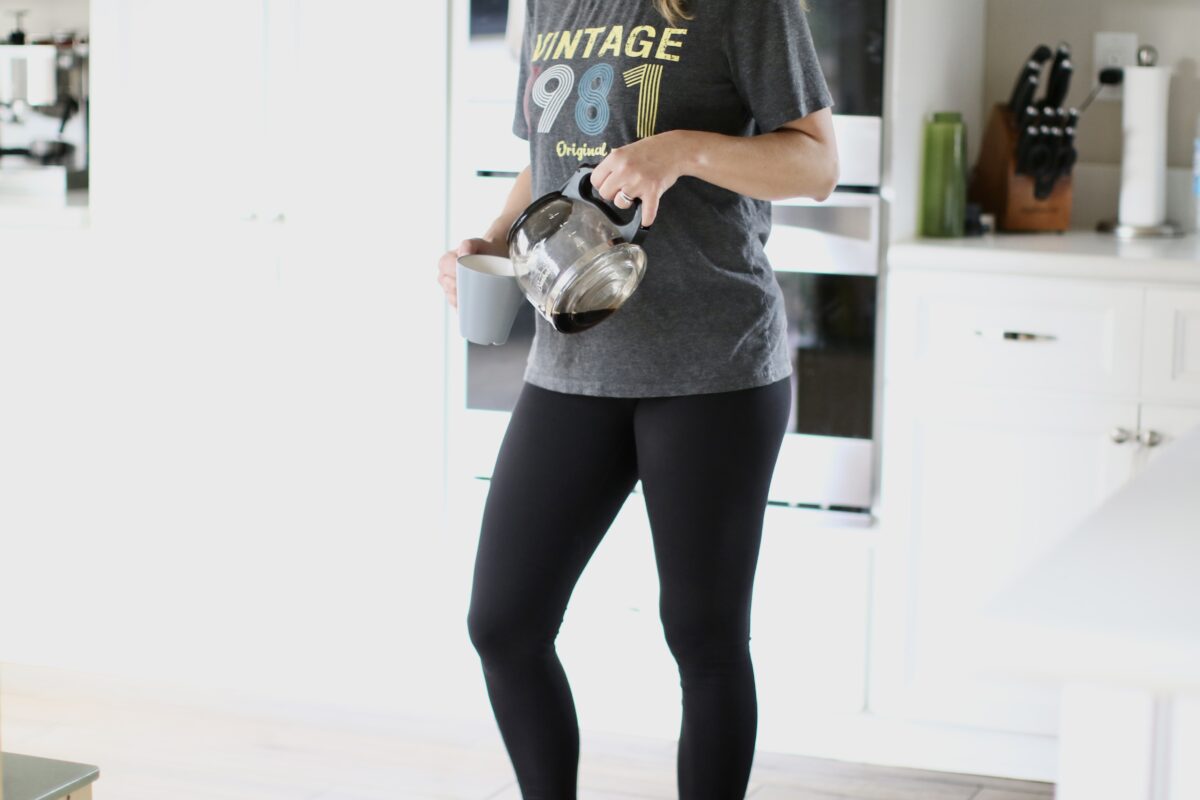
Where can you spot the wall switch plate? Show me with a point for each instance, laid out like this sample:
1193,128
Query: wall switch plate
1113,50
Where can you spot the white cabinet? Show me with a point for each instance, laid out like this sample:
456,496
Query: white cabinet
992,330
977,484
1172,346
177,108
1163,424
809,626
1012,407
260,352
323,113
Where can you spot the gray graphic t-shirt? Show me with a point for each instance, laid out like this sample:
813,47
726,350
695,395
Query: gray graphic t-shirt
600,74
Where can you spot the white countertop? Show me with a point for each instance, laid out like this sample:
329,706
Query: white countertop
1075,254
1118,599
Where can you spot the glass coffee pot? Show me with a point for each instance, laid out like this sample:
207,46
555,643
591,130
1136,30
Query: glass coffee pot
576,257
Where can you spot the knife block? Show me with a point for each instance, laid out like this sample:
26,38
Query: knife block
999,190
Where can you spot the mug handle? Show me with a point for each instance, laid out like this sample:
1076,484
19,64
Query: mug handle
579,187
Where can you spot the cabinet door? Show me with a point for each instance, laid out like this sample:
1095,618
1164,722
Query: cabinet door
809,626
176,114
357,118
1166,424
976,485
1171,348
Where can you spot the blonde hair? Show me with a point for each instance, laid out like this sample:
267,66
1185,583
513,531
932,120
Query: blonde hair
676,10
673,10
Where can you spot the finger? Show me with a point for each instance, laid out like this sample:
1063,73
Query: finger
602,171
608,189
649,210
466,247
623,200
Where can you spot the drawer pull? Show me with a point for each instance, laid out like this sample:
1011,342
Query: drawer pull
1150,438
1120,435
1016,336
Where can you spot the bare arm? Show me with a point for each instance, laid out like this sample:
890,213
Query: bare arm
518,200
799,159
494,239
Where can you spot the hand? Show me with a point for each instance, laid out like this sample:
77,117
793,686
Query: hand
645,170
448,264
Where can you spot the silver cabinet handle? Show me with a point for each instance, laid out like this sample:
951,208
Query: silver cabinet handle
1120,435
279,218
1150,438
1016,336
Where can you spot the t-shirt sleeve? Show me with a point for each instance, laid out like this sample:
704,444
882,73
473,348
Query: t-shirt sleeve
521,112
774,63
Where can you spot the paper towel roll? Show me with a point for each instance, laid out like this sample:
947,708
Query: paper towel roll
1144,161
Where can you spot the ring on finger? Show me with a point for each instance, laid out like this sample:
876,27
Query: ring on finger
624,199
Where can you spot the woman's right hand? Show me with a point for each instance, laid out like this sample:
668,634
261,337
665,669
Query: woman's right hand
448,263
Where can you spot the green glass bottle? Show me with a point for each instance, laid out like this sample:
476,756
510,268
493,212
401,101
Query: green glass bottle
944,175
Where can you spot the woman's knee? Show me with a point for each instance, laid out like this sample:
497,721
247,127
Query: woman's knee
502,632
705,641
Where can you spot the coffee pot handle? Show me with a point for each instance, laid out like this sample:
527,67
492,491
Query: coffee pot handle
579,187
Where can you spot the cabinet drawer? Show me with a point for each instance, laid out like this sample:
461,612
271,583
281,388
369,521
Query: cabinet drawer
1171,350
1015,332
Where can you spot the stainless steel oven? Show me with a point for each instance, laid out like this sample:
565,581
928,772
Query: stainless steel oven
826,260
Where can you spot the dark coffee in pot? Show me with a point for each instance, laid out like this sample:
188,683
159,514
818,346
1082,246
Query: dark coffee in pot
580,320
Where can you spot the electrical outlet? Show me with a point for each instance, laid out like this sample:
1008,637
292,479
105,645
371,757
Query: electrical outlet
1113,50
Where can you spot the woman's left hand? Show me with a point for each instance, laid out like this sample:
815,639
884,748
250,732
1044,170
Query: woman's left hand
643,170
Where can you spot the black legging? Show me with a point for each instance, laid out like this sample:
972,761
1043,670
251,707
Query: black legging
565,468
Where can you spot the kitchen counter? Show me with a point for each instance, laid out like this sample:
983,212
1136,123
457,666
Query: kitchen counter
74,214
1075,254
32,778
1116,600
1112,613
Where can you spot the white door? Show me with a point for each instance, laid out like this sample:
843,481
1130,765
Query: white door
977,485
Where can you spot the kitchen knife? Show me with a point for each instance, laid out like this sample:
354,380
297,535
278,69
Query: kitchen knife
1029,139
1031,69
1067,154
1059,82
1025,89
1047,172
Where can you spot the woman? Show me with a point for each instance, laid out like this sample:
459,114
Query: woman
703,113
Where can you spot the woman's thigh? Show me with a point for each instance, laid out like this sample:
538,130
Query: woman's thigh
706,463
565,467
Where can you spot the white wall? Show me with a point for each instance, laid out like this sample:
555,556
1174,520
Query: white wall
934,64
45,16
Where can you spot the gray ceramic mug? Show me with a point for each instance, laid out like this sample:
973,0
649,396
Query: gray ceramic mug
489,298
